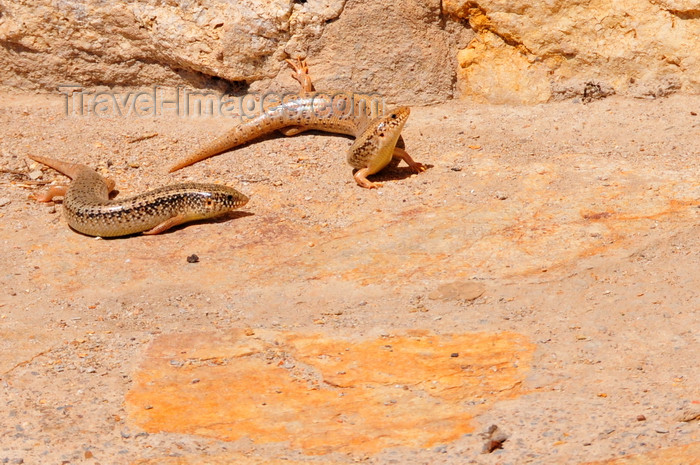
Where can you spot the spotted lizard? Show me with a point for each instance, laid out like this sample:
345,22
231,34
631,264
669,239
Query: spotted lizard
376,139
89,210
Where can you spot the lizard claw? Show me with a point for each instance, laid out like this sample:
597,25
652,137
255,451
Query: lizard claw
418,167
299,66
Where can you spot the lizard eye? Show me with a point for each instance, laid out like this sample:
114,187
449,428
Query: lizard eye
393,116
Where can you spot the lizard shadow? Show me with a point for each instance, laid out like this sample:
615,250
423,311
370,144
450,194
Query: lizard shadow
390,173
395,173
219,219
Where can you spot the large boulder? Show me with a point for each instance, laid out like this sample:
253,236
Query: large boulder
409,51
528,52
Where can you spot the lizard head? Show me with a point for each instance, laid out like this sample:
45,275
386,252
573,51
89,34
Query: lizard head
391,124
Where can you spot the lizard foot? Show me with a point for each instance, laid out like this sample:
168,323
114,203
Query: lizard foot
54,191
301,74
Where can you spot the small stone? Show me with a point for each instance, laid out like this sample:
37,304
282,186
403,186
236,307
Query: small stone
689,413
192,258
34,175
454,354
456,168
493,439
641,418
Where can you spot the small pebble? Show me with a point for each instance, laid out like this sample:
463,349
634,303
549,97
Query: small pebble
454,354
34,175
641,418
192,258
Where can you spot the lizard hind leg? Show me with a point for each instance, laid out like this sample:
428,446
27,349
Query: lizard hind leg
301,74
54,191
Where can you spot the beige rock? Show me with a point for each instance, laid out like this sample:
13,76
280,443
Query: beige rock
408,50
402,50
399,49
492,71
523,48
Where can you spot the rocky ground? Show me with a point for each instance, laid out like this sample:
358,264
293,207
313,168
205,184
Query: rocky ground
541,276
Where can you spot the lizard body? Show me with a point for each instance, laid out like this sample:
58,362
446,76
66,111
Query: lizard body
89,210
376,139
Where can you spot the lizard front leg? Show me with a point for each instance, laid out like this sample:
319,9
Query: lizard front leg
362,181
401,154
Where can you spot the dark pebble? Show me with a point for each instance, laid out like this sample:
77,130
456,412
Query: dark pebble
641,418
454,354
192,258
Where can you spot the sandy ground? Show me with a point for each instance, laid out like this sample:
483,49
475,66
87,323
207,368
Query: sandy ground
567,233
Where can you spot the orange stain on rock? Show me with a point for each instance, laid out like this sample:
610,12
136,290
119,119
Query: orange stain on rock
323,395
232,458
